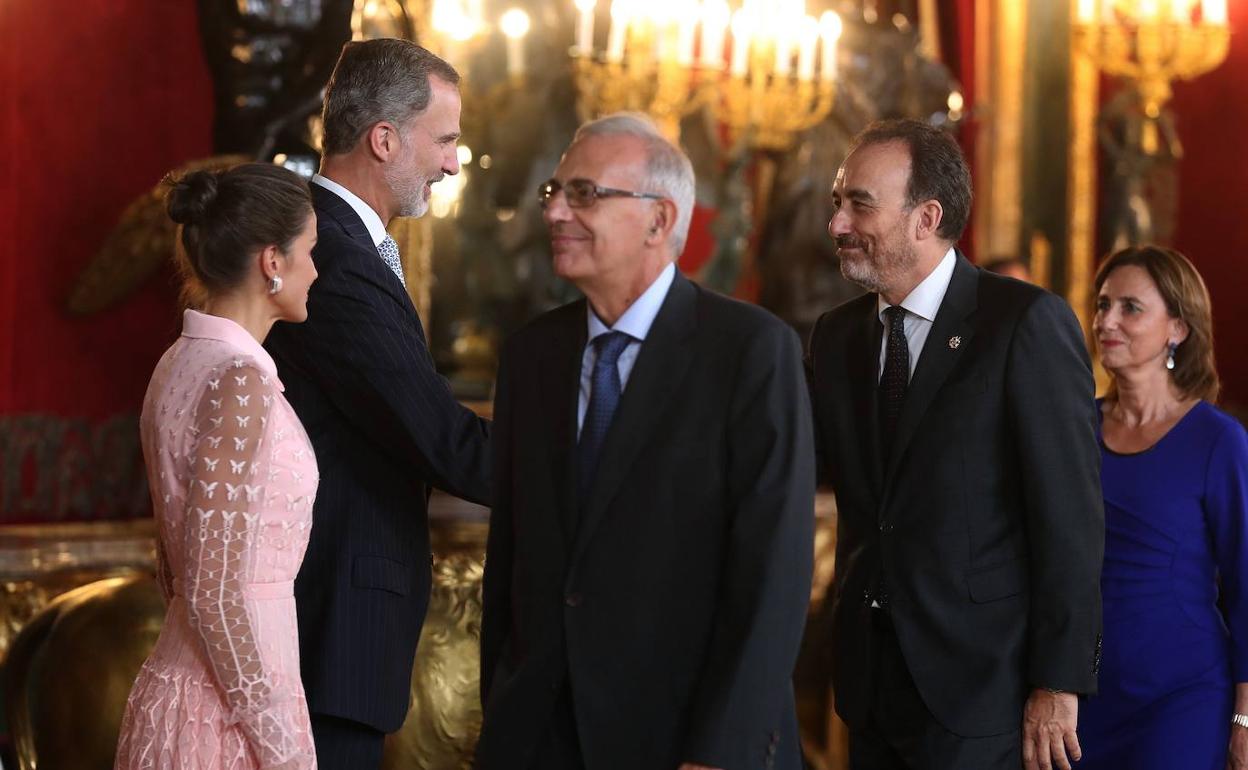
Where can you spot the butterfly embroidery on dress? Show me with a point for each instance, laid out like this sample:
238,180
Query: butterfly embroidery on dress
242,420
237,467
209,489
242,400
216,403
240,444
268,400
216,421
210,463
231,491
214,384
241,381
253,492
215,441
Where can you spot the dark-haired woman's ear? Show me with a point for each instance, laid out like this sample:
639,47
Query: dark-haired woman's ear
272,263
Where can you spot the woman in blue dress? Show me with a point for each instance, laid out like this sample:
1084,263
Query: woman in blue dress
1173,688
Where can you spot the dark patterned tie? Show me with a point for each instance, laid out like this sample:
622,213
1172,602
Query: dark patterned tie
604,397
895,378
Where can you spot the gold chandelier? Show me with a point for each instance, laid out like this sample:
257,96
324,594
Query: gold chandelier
1153,43
753,67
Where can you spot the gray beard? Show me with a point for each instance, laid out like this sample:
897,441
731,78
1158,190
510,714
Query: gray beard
884,273
410,193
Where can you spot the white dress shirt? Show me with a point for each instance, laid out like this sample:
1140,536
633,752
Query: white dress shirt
636,323
921,306
371,219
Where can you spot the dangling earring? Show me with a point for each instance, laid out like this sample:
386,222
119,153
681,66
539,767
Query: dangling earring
1170,357
275,284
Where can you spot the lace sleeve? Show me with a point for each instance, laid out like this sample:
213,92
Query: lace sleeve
223,520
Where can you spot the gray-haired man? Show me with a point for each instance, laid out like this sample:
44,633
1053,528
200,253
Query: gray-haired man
649,557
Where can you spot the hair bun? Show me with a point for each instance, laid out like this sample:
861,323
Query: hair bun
191,196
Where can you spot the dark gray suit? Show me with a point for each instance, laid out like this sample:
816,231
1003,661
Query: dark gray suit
385,428
983,534
665,614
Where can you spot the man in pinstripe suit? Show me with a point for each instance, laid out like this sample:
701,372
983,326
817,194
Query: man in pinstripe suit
384,424
649,559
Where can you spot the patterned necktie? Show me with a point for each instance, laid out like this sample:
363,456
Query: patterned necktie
389,251
896,376
604,397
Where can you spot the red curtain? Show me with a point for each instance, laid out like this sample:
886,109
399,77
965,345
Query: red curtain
98,99
1211,112
81,140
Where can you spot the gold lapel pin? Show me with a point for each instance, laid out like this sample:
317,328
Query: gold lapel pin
954,342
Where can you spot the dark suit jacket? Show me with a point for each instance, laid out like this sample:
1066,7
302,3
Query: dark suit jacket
986,527
384,426
675,606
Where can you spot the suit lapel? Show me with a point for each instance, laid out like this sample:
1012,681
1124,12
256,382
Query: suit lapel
950,335
327,203
560,387
657,374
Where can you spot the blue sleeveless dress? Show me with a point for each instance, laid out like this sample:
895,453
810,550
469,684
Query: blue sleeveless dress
1175,589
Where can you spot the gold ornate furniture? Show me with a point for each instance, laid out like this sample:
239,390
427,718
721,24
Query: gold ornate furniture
68,672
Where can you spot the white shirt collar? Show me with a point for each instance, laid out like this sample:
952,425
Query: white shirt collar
639,317
372,221
924,300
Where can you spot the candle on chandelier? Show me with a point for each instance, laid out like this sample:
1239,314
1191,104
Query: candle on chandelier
515,25
1213,12
740,44
1086,13
829,32
618,32
585,26
686,34
715,15
806,52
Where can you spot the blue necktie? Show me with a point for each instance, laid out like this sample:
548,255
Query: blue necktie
604,397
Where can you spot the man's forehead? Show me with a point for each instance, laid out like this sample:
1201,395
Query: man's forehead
602,157
876,168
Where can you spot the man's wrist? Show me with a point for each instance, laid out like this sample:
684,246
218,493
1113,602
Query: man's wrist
1240,720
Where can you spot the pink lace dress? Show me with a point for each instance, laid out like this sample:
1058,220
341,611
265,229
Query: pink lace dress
233,478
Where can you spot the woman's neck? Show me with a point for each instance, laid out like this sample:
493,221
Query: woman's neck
256,317
1144,399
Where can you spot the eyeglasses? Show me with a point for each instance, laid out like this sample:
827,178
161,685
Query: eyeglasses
582,193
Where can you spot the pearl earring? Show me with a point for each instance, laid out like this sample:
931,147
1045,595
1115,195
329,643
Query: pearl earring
275,284
1170,355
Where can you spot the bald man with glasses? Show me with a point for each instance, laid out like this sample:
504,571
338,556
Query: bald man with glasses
650,549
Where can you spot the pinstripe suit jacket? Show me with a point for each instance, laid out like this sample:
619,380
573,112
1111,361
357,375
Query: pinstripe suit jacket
385,428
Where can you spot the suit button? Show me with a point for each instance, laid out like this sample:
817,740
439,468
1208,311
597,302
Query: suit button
573,600
886,526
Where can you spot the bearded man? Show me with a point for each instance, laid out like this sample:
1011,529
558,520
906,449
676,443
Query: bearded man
954,417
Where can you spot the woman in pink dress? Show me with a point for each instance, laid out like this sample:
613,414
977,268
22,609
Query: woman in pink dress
233,477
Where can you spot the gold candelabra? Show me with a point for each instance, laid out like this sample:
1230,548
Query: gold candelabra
1152,43
754,68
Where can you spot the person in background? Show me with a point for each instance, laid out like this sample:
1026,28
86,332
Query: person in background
1174,469
233,478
